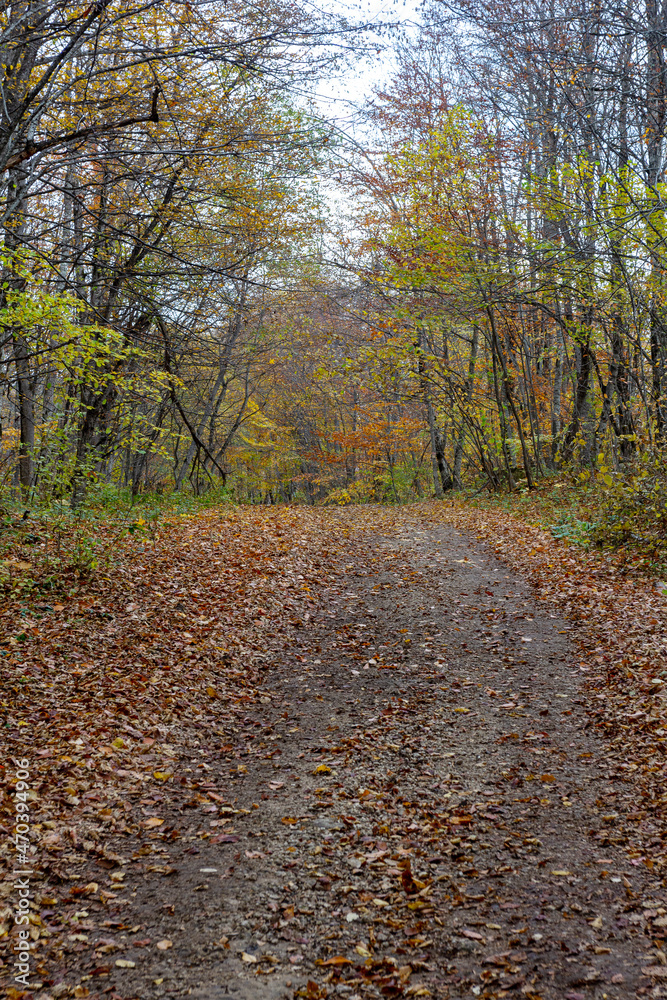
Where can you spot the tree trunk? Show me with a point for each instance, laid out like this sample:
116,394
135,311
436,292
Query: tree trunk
26,403
468,394
584,370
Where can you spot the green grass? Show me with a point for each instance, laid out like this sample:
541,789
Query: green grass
45,547
114,503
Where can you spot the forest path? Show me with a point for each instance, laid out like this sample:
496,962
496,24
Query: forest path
422,812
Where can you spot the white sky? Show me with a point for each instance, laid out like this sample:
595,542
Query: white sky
340,98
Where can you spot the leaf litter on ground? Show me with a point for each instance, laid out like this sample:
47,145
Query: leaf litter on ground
112,691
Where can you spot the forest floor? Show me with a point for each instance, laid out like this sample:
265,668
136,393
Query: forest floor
368,752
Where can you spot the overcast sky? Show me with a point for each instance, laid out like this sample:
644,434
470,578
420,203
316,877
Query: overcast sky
340,98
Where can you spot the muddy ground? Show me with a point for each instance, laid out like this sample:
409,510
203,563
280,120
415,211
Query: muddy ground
418,806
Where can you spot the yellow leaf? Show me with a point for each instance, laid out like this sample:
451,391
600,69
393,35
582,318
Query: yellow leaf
211,692
125,963
322,769
118,743
250,959
162,775
561,873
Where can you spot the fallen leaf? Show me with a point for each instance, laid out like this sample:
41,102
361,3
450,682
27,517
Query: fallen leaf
408,882
473,935
164,945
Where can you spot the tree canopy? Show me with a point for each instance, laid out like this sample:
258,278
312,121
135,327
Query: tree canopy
205,280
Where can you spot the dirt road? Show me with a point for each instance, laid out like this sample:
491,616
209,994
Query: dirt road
415,808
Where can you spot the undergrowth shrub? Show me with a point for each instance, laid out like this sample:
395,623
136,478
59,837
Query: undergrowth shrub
379,489
633,512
